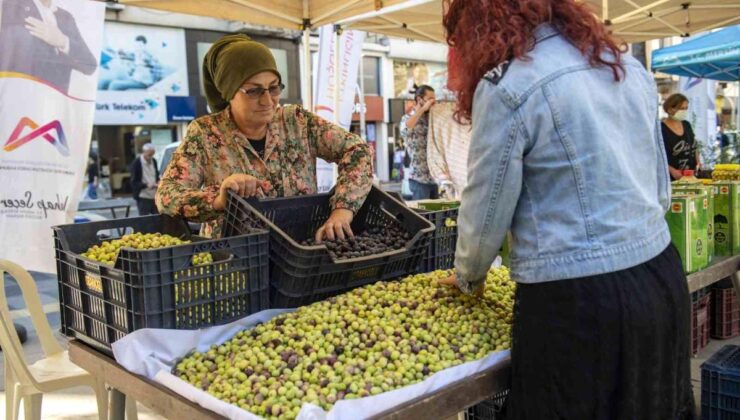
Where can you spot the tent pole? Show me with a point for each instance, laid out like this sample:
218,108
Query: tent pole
361,86
307,81
337,72
337,88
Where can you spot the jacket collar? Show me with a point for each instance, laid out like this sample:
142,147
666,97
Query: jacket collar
545,31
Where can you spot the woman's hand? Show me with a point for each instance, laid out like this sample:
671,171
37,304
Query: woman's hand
676,174
452,281
428,104
242,184
337,227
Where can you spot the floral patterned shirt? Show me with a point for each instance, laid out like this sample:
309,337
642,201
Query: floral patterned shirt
214,148
415,140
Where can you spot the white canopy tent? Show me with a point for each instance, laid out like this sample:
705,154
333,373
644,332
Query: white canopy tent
631,20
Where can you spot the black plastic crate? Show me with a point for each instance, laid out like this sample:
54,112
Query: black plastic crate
158,288
301,275
490,409
440,254
720,385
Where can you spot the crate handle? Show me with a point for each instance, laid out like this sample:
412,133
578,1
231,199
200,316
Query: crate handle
111,224
199,247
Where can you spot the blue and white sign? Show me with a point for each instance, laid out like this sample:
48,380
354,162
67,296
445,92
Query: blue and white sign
130,108
180,108
139,64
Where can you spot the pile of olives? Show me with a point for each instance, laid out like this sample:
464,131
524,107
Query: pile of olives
107,251
365,342
374,240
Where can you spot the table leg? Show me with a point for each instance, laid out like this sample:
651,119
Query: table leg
117,405
736,283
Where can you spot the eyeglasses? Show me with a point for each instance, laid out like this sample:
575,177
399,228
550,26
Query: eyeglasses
257,92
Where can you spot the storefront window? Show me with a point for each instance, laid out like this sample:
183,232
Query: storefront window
406,74
202,49
281,59
371,75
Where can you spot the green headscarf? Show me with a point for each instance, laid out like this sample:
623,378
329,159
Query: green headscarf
228,63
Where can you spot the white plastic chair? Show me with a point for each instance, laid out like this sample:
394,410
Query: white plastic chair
53,373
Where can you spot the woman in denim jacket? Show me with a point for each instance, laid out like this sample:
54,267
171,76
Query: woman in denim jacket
566,153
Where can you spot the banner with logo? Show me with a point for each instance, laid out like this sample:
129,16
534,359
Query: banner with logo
139,64
350,53
702,114
48,73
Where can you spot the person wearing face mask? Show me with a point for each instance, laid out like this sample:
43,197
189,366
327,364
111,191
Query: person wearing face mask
678,137
253,146
414,131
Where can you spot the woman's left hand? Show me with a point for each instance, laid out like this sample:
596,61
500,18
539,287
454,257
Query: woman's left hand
452,281
337,227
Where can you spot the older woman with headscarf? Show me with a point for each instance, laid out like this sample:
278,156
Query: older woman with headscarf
253,146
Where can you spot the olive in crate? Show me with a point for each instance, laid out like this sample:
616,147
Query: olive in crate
375,240
107,251
203,258
160,276
187,292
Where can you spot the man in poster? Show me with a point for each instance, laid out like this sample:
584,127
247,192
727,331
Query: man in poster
52,37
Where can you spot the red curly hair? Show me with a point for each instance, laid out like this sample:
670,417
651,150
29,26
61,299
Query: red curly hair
485,33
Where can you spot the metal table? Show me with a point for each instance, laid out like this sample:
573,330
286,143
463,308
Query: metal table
721,268
151,394
444,403
112,205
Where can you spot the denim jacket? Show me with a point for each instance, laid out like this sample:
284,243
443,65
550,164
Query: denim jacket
568,159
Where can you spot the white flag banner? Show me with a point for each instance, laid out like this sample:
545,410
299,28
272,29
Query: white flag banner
48,74
350,53
702,114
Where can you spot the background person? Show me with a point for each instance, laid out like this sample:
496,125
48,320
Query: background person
678,137
145,179
93,175
414,131
722,138
447,150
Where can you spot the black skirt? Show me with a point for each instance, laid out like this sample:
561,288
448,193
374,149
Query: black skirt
612,346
